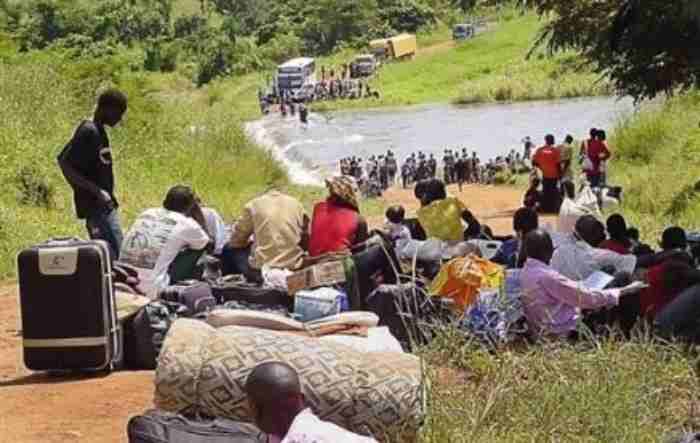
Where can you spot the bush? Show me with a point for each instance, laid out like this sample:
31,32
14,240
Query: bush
214,61
33,188
189,25
161,57
282,47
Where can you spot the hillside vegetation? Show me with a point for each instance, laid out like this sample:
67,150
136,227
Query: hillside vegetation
657,159
168,136
491,67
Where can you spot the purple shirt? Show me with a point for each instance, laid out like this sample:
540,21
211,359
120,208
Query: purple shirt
553,303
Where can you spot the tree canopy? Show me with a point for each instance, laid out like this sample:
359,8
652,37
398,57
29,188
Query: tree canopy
645,47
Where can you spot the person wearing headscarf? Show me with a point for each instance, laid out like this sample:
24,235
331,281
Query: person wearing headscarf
337,225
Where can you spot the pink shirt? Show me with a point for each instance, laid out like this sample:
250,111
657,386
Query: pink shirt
553,303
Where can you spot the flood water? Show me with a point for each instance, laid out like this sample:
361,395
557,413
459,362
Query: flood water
312,151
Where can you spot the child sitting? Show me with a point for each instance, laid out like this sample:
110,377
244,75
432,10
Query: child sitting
398,232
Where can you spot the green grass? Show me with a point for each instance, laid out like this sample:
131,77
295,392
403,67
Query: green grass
656,160
44,98
490,67
609,391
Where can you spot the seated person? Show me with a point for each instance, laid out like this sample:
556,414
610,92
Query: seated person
617,230
398,232
272,231
215,227
279,407
638,248
443,217
578,255
533,196
509,254
553,303
337,225
164,244
671,274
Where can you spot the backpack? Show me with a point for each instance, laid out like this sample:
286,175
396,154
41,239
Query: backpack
156,426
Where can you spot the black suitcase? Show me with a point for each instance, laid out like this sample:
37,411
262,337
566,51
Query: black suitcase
161,427
227,289
196,295
145,332
68,309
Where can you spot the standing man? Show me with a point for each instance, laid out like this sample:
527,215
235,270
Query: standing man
566,152
548,160
86,163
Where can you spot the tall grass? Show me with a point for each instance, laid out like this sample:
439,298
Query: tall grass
656,160
168,137
608,391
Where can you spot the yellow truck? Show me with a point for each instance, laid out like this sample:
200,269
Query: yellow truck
397,47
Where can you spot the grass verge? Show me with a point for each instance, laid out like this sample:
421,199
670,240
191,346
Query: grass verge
608,391
656,159
489,68
173,133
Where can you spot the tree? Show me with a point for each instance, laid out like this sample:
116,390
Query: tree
464,5
406,15
645,48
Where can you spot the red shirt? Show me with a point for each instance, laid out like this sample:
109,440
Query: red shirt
333,228
656,296
548,159
597,152
615,246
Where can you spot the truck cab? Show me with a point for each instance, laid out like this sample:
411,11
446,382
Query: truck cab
463,31
363,65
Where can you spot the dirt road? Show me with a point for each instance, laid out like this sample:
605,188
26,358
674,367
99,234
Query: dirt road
492,205
39,408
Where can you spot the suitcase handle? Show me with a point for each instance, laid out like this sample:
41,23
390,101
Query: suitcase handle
62,240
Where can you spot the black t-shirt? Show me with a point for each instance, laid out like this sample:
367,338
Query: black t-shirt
90,155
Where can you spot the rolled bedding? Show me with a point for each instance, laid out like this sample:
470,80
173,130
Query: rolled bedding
204,368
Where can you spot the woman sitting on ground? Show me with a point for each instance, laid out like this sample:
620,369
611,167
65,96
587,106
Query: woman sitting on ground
443,217
337,225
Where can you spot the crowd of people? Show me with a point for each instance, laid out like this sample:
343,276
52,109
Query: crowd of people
381,172
334,84
165,245
555,164
374,176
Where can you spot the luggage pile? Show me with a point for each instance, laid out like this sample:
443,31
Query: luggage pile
76,318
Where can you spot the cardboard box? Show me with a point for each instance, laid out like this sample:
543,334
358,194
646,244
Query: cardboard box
324,274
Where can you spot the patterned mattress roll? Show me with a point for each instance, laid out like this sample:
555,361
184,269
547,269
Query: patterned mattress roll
368,393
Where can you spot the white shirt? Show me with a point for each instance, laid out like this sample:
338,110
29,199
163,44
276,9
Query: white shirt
154,241
216,229
577,260
307,428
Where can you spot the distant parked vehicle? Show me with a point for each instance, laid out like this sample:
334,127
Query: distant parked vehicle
463,31
295,74
398,47
364,65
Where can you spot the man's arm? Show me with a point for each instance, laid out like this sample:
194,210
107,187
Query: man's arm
243,230
620,263
362,234
305,234
575,294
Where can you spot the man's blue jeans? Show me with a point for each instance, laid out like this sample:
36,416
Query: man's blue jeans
105,226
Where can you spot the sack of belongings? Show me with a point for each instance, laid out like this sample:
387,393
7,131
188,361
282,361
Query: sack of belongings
497,317
462,278
367,393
